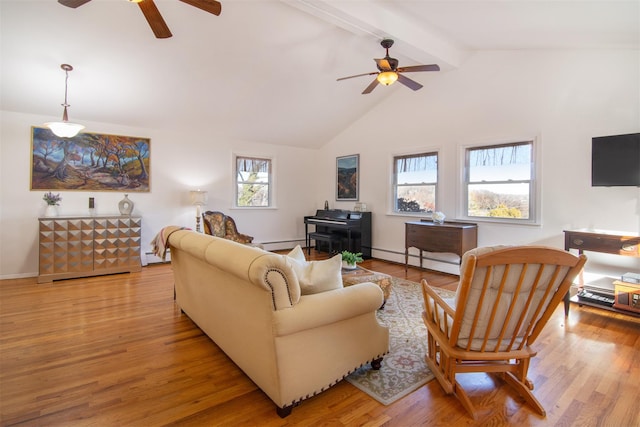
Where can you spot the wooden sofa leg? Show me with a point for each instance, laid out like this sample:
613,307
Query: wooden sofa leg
376,364
284,412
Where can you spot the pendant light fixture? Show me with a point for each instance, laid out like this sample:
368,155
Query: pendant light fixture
65,129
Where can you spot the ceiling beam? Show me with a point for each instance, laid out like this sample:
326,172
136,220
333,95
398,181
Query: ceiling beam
417,41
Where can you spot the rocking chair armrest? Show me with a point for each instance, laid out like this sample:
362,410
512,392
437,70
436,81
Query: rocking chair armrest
439,313
437,299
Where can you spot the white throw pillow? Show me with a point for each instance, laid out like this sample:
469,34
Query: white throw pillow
316,276
297,253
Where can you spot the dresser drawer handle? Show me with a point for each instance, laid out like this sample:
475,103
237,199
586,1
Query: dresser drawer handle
578,241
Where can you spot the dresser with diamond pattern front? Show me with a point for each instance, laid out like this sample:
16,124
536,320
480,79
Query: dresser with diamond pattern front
88,246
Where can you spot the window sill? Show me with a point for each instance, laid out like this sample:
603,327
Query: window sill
252,208
486,220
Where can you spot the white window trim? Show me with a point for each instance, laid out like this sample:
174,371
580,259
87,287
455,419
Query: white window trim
391,181
536,192
272,182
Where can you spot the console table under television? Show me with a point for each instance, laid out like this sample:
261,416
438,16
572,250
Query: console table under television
603,241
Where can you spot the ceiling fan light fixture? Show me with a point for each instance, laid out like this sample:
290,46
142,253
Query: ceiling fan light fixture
65,128
387,77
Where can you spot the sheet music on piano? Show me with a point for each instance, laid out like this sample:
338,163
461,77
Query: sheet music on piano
340,229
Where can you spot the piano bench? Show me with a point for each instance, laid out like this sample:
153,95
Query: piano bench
325,237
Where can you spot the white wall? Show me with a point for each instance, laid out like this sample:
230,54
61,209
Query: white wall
181,160
562,98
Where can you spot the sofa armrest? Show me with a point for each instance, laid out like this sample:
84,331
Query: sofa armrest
329,307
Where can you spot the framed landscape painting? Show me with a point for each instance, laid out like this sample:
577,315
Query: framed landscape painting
89,162
347,177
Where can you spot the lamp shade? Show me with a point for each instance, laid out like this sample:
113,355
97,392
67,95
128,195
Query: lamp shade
387,77
198,197
64,129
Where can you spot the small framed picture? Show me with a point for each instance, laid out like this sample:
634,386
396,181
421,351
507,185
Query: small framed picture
347,177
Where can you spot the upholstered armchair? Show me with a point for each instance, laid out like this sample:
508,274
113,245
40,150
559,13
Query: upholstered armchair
220,225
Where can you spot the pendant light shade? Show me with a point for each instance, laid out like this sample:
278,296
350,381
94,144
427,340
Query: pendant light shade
65,128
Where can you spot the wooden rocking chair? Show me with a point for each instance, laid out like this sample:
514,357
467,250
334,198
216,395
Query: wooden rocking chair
505,297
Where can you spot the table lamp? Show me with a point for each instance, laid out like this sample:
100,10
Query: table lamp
198,198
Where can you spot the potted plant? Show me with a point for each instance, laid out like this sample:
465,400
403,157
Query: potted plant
52,200
349,259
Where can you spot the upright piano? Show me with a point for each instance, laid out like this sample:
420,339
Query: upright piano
341,229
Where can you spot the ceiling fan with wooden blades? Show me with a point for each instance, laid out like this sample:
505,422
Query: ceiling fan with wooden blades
388,71
152,14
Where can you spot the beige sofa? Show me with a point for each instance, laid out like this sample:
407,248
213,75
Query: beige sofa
249,302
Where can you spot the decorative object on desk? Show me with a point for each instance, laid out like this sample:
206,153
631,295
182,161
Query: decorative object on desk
73,163
199,199
350,259
326,205
92,206
347,177
53,200
438,217
125,206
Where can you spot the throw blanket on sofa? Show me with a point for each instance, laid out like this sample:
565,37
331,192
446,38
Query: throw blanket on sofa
159,243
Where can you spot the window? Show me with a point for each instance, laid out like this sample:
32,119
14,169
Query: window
253,182
415,182
499,181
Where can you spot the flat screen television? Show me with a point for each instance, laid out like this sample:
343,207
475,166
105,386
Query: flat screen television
615,160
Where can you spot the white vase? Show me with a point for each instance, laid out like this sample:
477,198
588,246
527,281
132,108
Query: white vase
348,266
125,206
51,211
438,217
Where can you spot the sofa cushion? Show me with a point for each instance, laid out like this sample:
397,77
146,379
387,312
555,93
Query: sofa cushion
316,276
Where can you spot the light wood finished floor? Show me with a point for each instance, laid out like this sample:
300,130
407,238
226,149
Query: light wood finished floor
116,351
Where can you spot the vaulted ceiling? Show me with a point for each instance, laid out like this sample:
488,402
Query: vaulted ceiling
266,70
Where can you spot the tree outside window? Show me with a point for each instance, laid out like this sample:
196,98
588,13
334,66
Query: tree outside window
253,182
415,182
499,181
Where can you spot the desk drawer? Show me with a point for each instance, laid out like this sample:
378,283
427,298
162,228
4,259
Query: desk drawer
434,239
612,245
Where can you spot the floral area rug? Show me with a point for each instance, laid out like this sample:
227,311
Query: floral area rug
403,368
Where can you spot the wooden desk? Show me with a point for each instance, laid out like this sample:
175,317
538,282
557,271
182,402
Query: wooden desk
610,242
451,237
